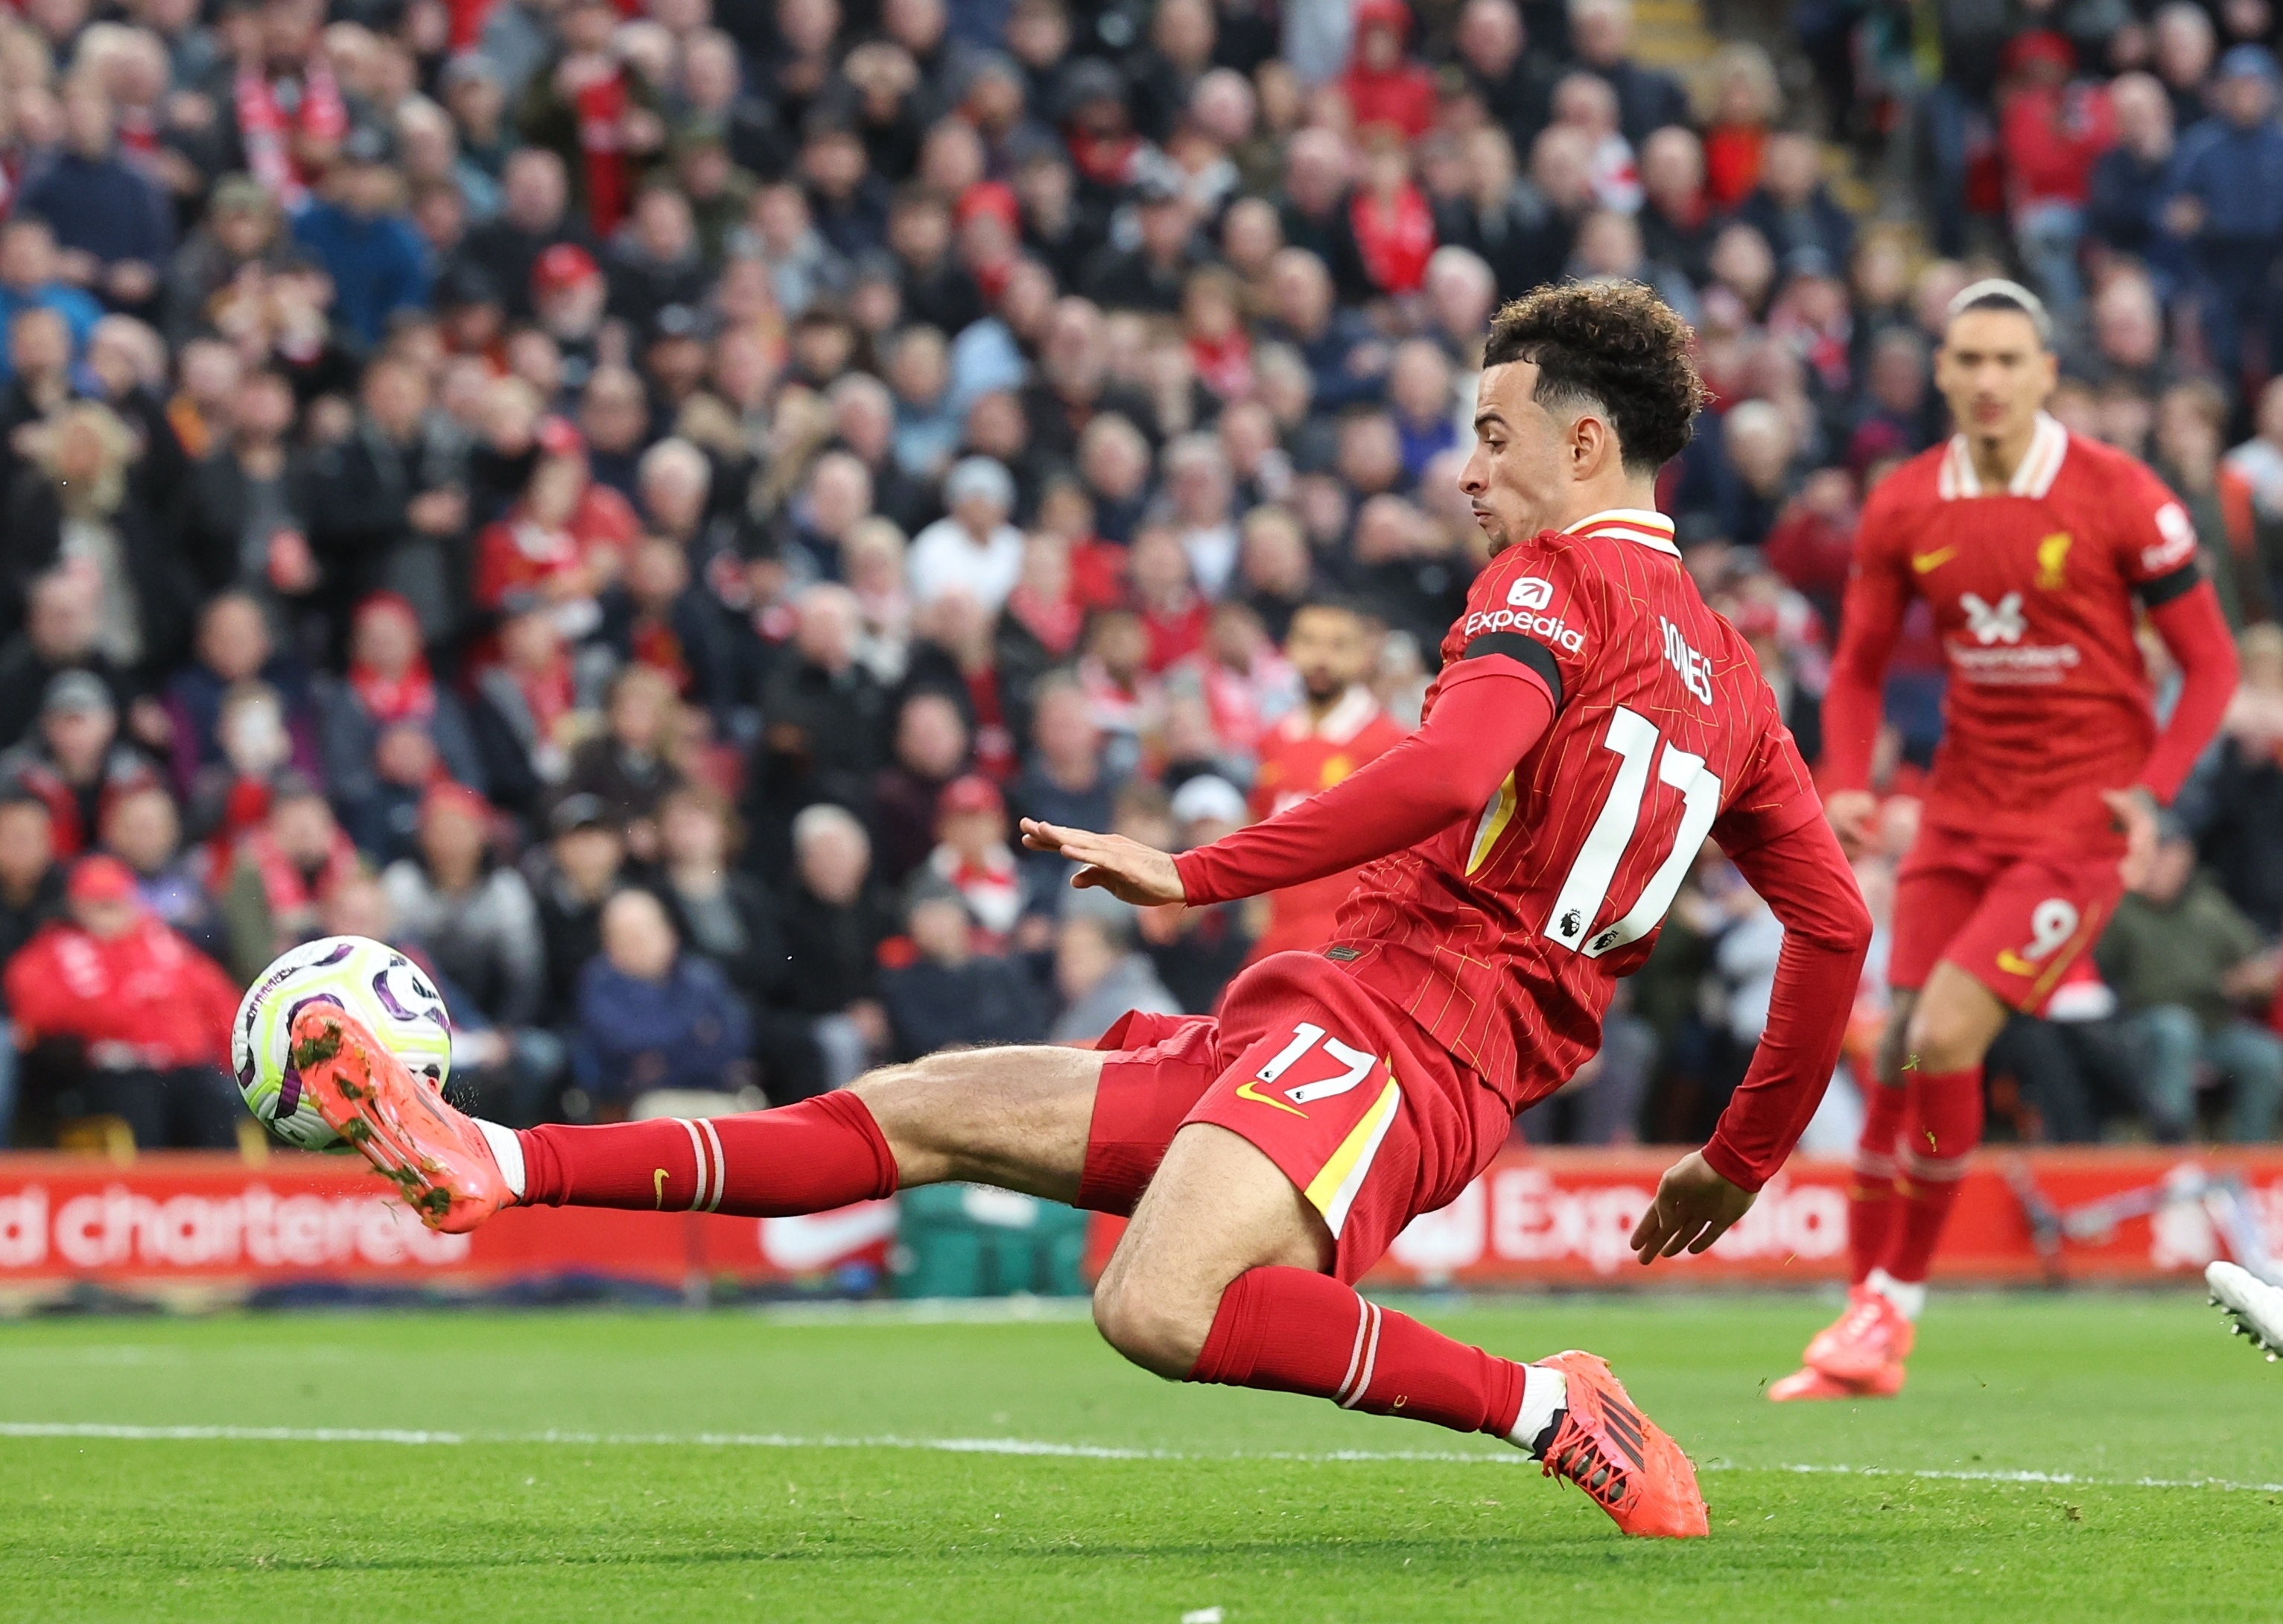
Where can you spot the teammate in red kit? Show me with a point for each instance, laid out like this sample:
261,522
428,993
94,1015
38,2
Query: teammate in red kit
1337,728
1592,724
2035,550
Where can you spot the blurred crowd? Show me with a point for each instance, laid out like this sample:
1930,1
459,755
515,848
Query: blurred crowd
631,502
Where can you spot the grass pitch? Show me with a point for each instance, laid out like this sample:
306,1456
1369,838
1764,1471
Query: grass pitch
2086,1456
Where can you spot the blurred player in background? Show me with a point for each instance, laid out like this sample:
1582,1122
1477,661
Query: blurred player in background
2036,550
1594,723
1338,727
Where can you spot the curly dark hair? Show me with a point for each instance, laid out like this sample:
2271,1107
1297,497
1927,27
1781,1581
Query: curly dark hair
1613,347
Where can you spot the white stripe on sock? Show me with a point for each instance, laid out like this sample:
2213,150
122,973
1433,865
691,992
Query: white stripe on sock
1370,1359
1355,1354
697,1155
721,1165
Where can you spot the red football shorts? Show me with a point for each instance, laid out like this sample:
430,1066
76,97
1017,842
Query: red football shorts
2013,920
1372,1121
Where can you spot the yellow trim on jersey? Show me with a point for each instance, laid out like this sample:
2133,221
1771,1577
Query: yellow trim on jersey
1333,1190
1495,817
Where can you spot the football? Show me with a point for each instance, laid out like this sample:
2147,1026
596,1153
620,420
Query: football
372,981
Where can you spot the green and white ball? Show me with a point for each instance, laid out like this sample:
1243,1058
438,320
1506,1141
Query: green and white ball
372,981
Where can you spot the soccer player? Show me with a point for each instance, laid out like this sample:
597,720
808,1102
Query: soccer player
1592,725
2035,550
2255,1307
1337,728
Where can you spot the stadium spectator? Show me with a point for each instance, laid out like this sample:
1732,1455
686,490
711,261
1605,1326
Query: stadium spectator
972,854
282,875
840,915
30,279
112,224
233,649
2240,787
73,761
2132,181
473,915
972,549
143,829
932,749
31,896
59,633
719,913
366,244
145,1016
652,1017
76,502
387,499
1098,978
387,730
949,992
2186,961
2231,218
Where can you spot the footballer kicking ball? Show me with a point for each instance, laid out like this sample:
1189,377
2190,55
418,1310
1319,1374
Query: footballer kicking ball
372,981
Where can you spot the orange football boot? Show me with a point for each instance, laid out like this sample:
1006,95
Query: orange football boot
1620,1457
1810,1383
437,1155
1862,1342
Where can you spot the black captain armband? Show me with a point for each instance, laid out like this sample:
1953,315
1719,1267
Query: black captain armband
2173,584
1528,651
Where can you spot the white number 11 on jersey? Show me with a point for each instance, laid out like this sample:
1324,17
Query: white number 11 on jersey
1635,740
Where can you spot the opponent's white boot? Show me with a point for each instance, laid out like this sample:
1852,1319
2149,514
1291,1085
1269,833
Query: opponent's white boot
2255,1307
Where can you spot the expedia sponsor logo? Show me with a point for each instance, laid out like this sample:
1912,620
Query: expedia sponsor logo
1550,630
1529,592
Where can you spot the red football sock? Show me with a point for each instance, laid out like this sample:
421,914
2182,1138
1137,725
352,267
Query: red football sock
1291,1330
810,1158
1871,1199
1945,1126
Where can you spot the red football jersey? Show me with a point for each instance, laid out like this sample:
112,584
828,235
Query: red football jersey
1504,935
2032,593
1300,758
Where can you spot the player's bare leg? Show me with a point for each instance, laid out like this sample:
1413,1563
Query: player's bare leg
1923,1118
1014,1117
1220,1277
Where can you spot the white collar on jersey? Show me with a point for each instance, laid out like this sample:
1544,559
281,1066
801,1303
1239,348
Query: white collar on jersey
1345,720
1646,526
2033,476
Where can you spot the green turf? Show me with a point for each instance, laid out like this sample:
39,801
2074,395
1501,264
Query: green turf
1245,1510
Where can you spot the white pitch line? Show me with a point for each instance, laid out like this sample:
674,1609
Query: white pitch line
112,1432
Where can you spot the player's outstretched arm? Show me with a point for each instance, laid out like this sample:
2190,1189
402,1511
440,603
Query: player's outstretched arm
1447,770
1804,876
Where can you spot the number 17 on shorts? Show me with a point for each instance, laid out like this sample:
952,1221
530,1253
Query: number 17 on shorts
1319,1108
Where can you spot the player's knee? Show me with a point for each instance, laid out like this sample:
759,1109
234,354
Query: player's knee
1943,1038
1158,1329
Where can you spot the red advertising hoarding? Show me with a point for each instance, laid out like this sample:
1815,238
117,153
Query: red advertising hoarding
1534,1218
186,1220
